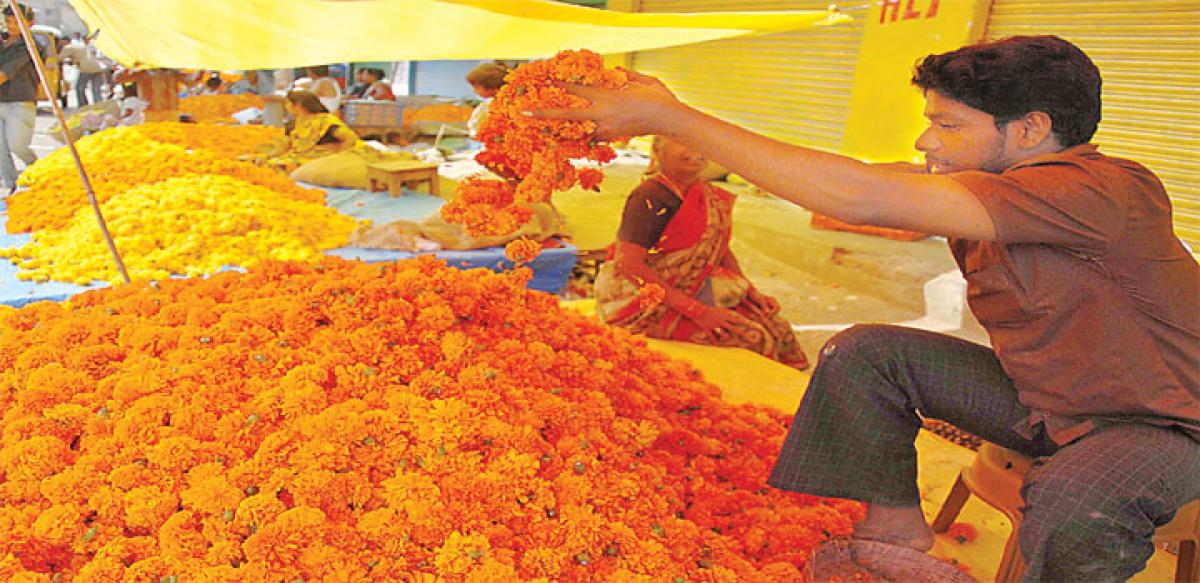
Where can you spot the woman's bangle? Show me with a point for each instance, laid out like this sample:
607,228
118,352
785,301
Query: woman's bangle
693,309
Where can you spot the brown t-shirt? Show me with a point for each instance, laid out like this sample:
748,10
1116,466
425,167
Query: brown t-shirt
647,211
1091,302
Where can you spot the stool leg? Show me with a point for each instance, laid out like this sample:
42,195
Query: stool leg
395,187
958,496
1012,565
435,187
1187,569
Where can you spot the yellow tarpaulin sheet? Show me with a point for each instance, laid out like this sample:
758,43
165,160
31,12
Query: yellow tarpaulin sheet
267,34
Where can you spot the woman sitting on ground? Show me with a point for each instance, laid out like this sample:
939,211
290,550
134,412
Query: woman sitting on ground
675,234
313,133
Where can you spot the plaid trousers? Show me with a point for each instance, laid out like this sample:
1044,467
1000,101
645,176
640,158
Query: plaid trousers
1091,506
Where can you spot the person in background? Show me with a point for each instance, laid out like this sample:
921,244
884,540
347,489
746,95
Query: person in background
325,88
377,88
91,71
212,85
258,82
18,97
486,80
359,87
312,133
1073,268
675,234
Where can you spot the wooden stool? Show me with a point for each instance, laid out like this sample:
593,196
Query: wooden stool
391,176
996,475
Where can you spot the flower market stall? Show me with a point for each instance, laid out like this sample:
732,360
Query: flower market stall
320,418
308,417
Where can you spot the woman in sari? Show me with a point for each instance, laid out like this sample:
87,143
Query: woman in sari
675,234
314,133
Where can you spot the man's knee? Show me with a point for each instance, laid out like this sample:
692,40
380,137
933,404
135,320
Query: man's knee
858,340
1072,527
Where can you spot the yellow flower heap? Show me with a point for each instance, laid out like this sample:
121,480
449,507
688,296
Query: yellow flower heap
117,160
191,225
177,201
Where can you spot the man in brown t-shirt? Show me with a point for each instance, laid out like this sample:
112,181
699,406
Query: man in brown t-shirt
1090,300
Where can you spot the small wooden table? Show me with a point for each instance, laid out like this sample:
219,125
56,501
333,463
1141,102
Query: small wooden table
391,176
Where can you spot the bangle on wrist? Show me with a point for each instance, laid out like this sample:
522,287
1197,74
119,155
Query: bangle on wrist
693,309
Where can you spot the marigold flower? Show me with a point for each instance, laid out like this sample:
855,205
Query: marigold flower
210,109
651,295
533,156
410,422
522,250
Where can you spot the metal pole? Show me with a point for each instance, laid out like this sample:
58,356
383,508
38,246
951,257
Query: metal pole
36,57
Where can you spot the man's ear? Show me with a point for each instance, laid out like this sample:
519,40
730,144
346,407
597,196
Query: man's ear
1035,128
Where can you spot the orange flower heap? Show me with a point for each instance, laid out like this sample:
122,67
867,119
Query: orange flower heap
346,421
224,141
218,108
536,154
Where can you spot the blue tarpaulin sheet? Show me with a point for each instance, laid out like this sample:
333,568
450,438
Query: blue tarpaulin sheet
550,270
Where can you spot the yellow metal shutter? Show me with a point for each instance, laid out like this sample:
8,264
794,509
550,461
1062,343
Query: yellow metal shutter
791,86
1149,56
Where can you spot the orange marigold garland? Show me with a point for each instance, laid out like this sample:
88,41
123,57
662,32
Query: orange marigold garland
353,421
534,155
522,250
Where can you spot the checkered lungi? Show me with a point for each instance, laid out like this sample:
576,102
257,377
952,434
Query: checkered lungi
1091,505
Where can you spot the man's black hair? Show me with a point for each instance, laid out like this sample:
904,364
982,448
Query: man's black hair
1011,77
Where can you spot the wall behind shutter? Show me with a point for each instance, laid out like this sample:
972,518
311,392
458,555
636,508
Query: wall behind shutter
791,86
1148,53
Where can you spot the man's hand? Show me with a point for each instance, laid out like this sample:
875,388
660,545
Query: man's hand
637,109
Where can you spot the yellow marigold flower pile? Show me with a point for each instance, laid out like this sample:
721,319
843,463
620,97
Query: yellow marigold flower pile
118,159
225,141
191,225
533,156
218,108
353,422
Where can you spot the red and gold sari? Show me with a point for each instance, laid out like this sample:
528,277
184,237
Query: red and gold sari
689,255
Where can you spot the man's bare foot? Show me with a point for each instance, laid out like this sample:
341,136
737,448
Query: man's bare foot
902,526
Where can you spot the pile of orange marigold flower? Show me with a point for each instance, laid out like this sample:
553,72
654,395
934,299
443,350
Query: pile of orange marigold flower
353,422
533,156
224,141
218,108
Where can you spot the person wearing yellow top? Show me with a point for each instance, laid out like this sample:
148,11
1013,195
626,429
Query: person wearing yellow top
314,133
